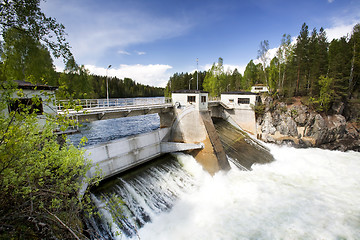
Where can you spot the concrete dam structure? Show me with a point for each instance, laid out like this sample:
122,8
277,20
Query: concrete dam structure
185,125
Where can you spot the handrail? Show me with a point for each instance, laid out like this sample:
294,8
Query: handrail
113,102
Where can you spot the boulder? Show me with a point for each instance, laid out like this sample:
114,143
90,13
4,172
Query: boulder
267,125
288,127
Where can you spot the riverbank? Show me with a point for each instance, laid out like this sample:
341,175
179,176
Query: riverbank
298,125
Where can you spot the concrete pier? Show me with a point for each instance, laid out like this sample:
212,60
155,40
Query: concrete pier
193,124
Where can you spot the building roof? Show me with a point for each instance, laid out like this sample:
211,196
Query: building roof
239,93
27,85
189,91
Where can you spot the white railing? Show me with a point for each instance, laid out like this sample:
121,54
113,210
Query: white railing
113,102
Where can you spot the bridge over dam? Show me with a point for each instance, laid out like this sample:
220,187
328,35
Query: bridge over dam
185,125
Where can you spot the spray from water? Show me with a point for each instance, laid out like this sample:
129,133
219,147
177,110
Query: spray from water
304,194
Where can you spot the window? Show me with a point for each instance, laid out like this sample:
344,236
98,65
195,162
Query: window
203,99
191,99
243,100
26,104
231,101
259,88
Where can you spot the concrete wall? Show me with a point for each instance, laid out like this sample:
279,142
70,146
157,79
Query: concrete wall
244,118
241,114
182,98
119,155
231,100
194,126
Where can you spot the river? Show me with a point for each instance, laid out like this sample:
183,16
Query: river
302,194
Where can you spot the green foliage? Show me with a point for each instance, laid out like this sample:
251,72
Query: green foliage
251,75
26,16
259,109
273,74
326,93
39,179
294,113
26,59
215,80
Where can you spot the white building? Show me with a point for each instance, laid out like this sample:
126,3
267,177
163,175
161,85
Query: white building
238,109
239,100
30,91
259,88
184,98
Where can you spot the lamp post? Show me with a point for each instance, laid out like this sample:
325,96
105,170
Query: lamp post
190,82
107,85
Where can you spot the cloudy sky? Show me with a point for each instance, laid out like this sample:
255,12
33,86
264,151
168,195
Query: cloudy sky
150,40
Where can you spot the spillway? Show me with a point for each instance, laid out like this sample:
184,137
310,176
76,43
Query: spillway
288,194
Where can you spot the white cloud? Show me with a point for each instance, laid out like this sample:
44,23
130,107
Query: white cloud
330,1
140,53
270,54
92,30
123,52
152,74
339,31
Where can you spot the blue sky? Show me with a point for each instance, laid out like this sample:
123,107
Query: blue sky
150,40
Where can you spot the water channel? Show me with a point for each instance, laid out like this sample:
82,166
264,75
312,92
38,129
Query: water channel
288,194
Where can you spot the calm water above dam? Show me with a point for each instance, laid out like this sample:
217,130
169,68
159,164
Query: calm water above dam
302,194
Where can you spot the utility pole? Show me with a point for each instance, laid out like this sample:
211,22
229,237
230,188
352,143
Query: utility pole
107,85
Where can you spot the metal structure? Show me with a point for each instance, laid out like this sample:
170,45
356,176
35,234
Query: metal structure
107,85
114,102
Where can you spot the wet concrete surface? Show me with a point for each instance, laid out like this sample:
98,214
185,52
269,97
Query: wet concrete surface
239,146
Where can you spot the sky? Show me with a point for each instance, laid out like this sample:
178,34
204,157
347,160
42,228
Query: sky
150,40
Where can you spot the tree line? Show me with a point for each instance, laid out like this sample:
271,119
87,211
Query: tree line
26,58
320,71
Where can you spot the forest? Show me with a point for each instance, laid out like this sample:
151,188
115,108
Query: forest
320,72
25,58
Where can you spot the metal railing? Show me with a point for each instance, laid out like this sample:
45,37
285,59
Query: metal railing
113,102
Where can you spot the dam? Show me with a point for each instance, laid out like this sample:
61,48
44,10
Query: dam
288,194
299,195
186,125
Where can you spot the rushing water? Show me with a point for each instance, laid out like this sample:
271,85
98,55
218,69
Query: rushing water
303,194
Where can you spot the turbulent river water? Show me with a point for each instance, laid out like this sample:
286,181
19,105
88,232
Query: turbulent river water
300,194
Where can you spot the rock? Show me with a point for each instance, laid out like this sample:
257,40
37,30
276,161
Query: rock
300,114
288,127
316,128
267,101
338,107
301,127
352,130
267,126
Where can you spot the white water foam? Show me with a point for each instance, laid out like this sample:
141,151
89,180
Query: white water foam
304,194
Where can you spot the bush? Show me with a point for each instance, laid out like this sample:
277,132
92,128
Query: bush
259,109
39,179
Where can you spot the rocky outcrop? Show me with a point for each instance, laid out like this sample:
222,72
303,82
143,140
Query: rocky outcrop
300,126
